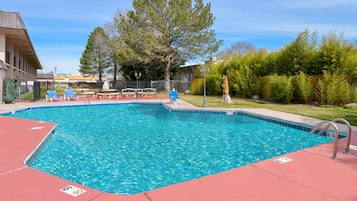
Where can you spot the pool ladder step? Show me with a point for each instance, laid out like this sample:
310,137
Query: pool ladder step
332,124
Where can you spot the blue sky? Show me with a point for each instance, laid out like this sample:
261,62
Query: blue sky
59,30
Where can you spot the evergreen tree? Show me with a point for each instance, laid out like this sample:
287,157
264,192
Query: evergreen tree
169,31
96,56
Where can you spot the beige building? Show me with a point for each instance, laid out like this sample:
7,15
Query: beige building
18,59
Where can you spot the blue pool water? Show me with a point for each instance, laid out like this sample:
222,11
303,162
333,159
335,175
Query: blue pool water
132,148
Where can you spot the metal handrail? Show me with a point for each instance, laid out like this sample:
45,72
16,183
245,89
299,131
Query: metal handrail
349,132
329,124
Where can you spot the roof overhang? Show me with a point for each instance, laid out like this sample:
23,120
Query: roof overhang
12,25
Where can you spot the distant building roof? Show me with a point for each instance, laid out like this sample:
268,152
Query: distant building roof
45,76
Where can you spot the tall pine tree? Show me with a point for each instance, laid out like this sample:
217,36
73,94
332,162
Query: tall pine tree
96,56
170,31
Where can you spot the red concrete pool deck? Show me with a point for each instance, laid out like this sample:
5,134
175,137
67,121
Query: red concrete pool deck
310,175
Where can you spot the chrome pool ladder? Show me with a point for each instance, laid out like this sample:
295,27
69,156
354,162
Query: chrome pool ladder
332,124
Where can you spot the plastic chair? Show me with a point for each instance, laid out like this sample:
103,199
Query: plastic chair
69,94
173,96
52,95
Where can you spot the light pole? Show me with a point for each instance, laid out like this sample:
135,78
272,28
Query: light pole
204,70
54,78
137,75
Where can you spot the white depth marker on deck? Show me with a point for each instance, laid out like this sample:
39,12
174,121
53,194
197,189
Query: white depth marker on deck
283,160
72,190
353,147
37,128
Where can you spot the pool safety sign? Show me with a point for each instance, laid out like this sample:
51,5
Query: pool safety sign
72,190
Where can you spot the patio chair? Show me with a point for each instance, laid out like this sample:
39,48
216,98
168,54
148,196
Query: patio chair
52,95
69,94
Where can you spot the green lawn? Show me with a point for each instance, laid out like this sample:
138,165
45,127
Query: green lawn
305,110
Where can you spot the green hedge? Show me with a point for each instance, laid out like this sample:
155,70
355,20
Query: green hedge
9,90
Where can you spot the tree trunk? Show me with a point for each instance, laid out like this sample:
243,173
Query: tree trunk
167,74
100,78
115,74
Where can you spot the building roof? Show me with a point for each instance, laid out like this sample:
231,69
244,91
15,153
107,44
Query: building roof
44,76
14,28
68,78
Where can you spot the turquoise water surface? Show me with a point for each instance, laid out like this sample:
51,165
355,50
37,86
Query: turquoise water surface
133,148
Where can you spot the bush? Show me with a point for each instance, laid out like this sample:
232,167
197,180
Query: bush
242,82
281,88
214,85
196,88
9,90
304,87
333,89
28,96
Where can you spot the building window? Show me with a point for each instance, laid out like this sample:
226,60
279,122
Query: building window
15,61
7,57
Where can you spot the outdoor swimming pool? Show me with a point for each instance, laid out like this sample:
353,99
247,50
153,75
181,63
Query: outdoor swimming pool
131,148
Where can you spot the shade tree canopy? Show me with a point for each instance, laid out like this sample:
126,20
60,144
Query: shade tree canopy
169,32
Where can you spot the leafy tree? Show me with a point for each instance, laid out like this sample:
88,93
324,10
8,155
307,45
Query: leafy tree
96,56
239,48
298,55
114,45
304,52
333,54
285,61
169,31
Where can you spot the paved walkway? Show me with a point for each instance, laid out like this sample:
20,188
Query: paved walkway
309,174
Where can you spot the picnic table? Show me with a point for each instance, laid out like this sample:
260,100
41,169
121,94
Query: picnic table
108,93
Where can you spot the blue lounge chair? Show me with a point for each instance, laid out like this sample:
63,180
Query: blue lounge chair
69,94
52,95
173,96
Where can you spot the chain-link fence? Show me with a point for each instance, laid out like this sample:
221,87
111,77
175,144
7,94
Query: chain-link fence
180,86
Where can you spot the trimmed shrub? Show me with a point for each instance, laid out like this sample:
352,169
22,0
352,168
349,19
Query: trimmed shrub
304,86
9,90
242,81
214,85
333,89
281,88
196,88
